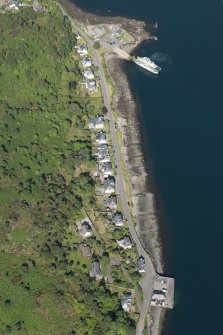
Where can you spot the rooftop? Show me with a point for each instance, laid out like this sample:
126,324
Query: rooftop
109,186
86,62
126,302
15,4
118,219
125,243
106,167
141,265
96,122
88,74
112,202
91,85
163,292
101,137
85,249
82,49
85,230
95,271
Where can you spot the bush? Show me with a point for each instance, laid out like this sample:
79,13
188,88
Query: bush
97,45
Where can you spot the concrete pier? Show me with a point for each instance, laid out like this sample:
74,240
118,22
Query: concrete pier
121,53
163,292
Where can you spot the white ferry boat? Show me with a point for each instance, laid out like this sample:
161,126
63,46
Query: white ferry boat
147,64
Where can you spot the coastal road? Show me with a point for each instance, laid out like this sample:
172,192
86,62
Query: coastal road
146,282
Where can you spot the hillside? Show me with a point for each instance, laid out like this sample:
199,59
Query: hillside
47,184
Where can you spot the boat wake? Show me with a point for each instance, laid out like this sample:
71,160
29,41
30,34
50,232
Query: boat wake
161,58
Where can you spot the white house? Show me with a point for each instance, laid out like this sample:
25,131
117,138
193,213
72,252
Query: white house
86,62
88,74
101,138
103,151
91,86
77,35
82,49
109,186
106,168
125,243
99,122
126,302
96,122
85,230
15,4
118,219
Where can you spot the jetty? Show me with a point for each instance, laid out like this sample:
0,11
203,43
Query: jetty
163,292
121,53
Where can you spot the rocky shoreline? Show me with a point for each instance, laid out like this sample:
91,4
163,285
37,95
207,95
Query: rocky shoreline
142,199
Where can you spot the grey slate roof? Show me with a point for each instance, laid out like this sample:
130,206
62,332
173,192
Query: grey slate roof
96,122
101,137
125,243
141,264
112,202
95,271
109,185
117,217
106,167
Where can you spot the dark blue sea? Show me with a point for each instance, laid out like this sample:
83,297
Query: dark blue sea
182,120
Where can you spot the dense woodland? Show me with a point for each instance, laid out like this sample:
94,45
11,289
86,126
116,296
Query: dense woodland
46,183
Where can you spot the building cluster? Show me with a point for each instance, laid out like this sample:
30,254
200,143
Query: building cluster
95,272
86,62
98,123
100,32
85,231
163,292
17,4
116,31
105,170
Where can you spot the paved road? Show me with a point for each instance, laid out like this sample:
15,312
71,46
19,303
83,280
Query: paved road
147,280
121,53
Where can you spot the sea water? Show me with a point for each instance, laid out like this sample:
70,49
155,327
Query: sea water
181,113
